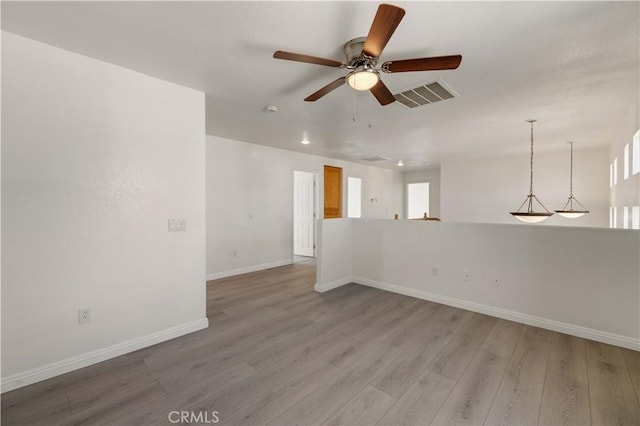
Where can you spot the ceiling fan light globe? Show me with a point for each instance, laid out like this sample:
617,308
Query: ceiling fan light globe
363,79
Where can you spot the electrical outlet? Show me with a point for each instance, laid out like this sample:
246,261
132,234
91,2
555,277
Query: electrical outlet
434,271
84,315
467,276
496,281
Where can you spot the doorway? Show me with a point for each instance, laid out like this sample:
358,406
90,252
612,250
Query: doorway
304,214
417,200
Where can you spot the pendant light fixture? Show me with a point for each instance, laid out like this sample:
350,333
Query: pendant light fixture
530,215
569,210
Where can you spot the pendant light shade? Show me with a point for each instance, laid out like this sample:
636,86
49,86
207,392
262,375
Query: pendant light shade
572,209
530,215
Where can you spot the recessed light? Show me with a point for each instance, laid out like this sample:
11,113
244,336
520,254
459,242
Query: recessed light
271,108
305,142
400,163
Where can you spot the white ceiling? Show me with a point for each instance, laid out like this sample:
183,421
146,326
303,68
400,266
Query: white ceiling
572,65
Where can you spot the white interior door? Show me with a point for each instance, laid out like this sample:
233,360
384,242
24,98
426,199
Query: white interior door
303,214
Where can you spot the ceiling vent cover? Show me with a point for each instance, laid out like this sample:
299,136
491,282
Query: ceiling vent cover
427,93
373,159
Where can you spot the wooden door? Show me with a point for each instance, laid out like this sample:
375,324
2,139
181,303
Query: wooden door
332,192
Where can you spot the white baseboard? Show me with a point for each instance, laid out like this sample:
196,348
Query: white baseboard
247,269
322,287
57,368
562,327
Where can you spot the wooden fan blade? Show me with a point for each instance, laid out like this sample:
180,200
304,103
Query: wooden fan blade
326,89
384,24
382,93
289,56
423,64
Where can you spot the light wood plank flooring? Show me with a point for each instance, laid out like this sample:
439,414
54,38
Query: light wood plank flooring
277,352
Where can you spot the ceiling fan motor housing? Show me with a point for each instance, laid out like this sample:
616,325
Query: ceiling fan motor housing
355,57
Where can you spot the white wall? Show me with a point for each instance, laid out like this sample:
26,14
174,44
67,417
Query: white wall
250,202
334,267
580,281
625,193
487,190
95,160
428,175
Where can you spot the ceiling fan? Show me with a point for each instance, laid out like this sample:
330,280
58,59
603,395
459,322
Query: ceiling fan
362,59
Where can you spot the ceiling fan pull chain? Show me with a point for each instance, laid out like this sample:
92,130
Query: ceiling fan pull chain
353,105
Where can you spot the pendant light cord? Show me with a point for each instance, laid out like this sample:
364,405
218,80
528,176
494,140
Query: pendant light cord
571,173
531,161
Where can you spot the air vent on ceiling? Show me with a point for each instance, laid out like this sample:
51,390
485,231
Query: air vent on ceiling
425,94
374,158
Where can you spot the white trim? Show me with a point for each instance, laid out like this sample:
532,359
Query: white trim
562,327
247,269
57,368
322,287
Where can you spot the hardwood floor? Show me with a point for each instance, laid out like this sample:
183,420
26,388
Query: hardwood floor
276,352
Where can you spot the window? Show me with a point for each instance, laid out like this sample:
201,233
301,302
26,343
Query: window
615,171
610,175
635,168
614,217
610,217
625,166
417,200
635,217
625,217
354,197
